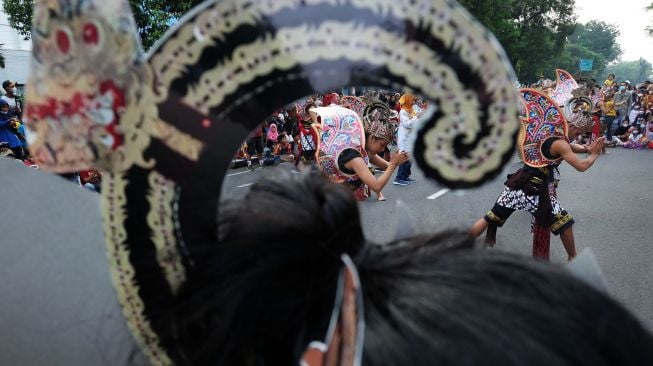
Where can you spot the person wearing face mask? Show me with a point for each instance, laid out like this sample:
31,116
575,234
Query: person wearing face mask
648,134
632,116
622,102
621,134
635,140
609,81
11,97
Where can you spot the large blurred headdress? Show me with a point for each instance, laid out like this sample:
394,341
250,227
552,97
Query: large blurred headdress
160,123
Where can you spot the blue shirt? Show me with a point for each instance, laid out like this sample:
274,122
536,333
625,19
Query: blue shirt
6,135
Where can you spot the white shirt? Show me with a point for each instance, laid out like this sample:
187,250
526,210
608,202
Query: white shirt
12,102
634,137
406,124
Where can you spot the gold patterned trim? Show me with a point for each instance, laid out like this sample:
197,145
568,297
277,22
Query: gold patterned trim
160,220
560,220
537,180
492,216
182,143
122,271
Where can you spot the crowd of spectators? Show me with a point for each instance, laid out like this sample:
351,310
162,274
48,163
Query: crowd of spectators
13,143
282,137
626,113
287,134
622,111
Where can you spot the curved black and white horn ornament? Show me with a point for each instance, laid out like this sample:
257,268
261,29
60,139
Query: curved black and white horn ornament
165,125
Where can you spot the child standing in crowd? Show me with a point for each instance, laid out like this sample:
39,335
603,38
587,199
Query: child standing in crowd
408,116
307,137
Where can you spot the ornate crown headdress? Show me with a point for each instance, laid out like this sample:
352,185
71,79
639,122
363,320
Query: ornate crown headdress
380,129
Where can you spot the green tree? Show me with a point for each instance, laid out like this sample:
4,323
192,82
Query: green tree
19,13
533,32
599,37
569,59
594,40
153,17
634,71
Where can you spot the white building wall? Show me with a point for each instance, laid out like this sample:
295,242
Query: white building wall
16,52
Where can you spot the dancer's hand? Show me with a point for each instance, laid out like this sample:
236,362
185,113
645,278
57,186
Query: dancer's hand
399,158
596,146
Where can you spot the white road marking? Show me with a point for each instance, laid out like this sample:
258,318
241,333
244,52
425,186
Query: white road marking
245,185
294,171
245,172
438,194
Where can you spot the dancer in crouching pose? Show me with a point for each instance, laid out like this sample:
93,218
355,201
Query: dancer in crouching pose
544,144
346,148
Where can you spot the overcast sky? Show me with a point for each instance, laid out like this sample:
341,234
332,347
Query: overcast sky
629,16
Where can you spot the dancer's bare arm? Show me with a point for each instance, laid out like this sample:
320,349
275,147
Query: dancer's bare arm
577,148
563,149
379,162
359,166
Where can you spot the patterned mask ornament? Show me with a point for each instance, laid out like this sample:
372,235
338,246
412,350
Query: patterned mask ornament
577,113
164,126
381,129
565,85
543,120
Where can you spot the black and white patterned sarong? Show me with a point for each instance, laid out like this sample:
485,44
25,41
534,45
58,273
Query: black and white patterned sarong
511,200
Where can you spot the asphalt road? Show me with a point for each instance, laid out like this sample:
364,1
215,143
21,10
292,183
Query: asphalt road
612,204
53,257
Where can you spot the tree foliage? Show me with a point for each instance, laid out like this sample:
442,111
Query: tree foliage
533,32
634,71
538,35
153,17
599,37
19,13
594,40
570,57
